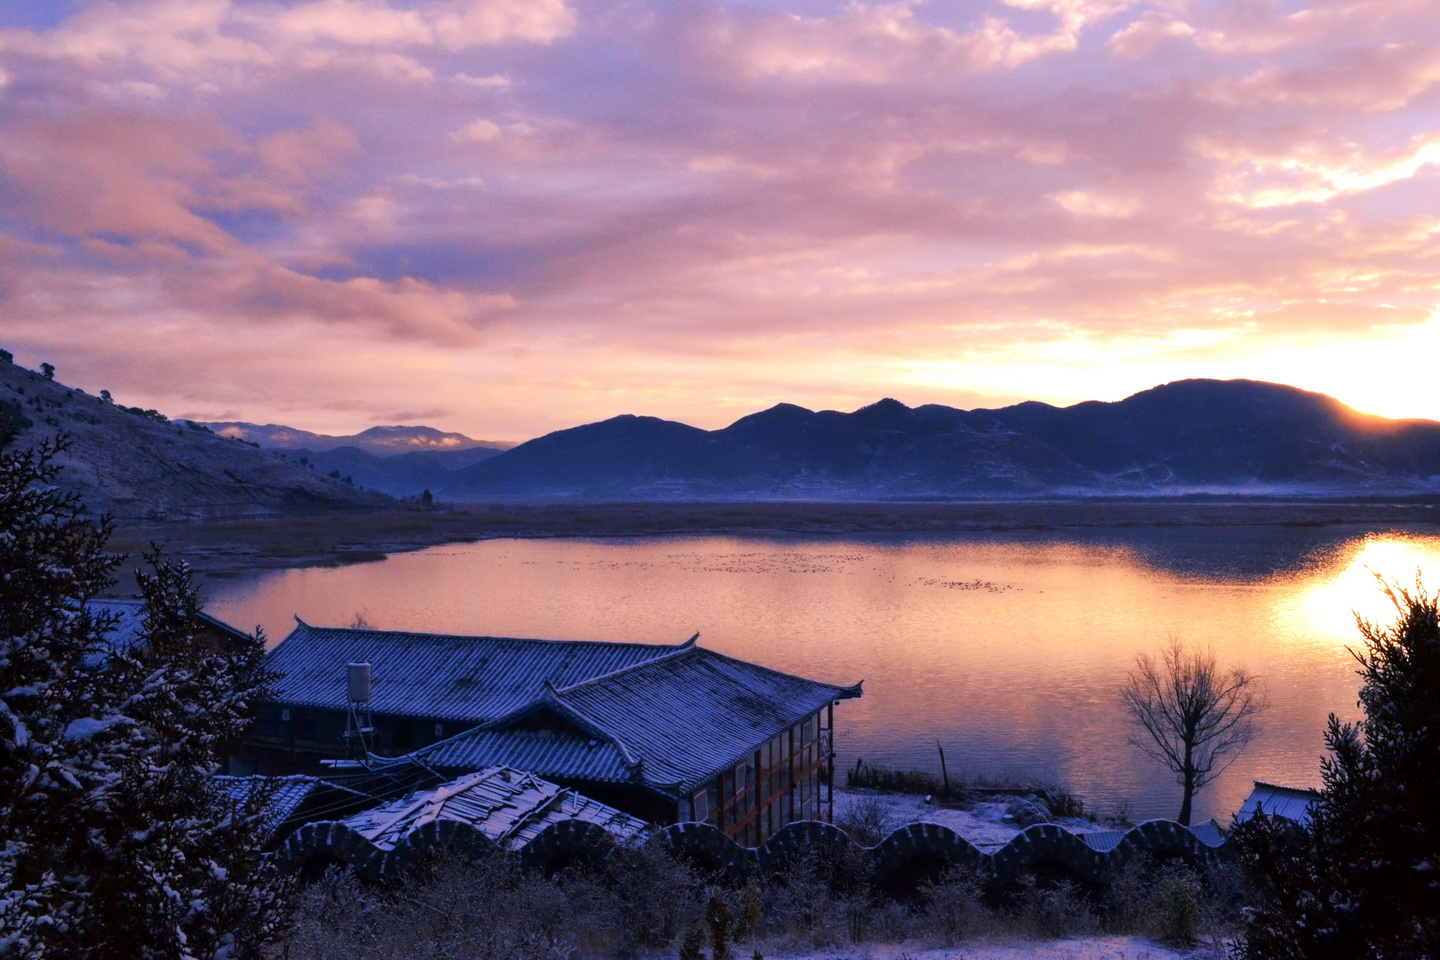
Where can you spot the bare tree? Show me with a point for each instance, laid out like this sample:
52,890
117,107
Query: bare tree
1191,716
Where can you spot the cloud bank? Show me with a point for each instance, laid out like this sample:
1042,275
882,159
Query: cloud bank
525,214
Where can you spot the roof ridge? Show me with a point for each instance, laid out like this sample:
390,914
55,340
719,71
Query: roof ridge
842,692
553,697
676,650
468,636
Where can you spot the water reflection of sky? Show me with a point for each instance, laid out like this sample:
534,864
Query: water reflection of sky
1008,651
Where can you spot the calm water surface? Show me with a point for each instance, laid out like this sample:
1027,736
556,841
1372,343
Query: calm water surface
1007,651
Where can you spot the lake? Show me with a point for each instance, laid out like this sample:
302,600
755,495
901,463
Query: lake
1007,650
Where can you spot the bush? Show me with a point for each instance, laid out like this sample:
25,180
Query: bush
1057,909
1360,881
866,821
953,908
891,780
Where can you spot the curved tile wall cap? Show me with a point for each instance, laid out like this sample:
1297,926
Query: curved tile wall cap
703,843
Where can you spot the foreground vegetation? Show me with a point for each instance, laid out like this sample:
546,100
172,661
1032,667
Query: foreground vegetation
115,838
641,902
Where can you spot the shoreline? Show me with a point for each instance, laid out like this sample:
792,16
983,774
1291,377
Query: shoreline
222,549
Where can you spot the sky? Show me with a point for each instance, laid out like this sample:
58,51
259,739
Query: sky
505,217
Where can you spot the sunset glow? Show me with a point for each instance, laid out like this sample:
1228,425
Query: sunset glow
1348,588
505,217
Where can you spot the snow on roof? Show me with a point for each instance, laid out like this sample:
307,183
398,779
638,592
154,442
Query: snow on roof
1292,803
545,752
446,677
129,621
128,629
671,722
508,806
288,795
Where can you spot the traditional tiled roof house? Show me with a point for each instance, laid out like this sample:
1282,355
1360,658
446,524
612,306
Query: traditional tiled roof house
664,732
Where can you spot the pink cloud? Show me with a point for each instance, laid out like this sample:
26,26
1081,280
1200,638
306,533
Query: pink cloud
646,204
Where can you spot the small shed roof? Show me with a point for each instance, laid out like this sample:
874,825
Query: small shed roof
669,723
508,806
1292,803
447,677
294,799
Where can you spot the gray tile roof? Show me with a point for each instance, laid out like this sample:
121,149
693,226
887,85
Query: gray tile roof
508,806
1292,803
543,752
129,621
475,679
288,795
670,723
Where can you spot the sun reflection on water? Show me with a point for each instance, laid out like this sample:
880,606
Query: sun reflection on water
1347,584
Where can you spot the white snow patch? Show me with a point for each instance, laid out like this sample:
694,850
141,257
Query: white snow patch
1094,948
984,824
87,727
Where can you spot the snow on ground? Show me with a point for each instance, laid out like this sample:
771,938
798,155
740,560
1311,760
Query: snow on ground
1094,948
984,824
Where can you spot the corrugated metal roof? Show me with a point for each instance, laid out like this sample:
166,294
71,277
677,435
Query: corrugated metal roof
679,719
508,806
475,679
1292,803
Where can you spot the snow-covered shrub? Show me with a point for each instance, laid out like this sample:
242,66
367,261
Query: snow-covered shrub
1059,908
1363,879
114,840
953,908
1176,903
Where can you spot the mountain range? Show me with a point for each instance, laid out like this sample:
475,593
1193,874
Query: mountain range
1228,437
1190,436
398,460
381,441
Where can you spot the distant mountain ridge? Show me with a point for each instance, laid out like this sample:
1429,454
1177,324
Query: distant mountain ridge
402,461
385,441
137,464
1190,436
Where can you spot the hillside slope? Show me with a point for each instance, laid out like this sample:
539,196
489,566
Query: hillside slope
136,465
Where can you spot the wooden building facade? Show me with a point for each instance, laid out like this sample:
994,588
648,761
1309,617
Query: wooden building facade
790,778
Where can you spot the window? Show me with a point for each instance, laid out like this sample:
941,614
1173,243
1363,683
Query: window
700,804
